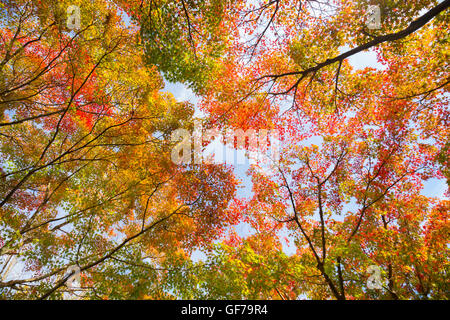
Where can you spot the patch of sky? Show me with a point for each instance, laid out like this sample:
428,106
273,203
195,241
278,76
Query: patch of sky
364,59
435,187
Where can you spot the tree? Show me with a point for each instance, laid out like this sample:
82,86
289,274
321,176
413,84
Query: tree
358,144
85,142
87,173
185,39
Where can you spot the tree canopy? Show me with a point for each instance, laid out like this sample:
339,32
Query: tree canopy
87,176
